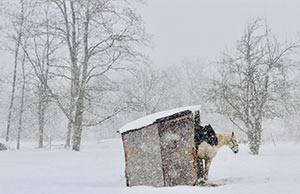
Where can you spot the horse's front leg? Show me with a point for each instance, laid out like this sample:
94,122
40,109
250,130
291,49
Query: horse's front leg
200,168
207,166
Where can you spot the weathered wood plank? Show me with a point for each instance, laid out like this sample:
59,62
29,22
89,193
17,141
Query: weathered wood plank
177,149
143,157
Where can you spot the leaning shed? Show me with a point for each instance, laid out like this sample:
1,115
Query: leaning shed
159,148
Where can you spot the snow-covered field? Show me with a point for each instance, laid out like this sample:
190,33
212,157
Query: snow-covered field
99,168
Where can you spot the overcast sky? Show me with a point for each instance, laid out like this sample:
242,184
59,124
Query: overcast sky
204,28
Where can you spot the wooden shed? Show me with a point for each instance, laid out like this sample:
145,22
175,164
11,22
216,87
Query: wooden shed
159,149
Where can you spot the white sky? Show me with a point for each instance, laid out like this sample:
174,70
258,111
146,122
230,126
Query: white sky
204,28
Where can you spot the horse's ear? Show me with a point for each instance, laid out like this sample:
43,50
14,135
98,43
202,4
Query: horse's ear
232,134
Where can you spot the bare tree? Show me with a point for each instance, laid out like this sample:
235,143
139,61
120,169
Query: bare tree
40,54
21,110
69,31
18,24
144,90
251,81
185,83
104,35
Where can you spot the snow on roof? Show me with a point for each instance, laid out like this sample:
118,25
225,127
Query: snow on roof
149,119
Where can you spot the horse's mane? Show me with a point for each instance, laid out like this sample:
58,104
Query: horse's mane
205,134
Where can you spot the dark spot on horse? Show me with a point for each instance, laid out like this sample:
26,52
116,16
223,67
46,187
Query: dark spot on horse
206,134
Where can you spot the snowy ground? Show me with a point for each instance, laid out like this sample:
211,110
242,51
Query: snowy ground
99,168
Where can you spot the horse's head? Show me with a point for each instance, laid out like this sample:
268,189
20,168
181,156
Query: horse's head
233,143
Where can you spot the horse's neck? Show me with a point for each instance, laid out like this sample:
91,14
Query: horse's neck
223,139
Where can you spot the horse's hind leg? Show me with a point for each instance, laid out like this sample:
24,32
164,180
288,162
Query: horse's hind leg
200,168
207,166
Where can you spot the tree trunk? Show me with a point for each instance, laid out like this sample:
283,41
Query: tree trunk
22,105
18,43
71,110
11,99
72,45
41,116
254,138
78,123
69,135
81,91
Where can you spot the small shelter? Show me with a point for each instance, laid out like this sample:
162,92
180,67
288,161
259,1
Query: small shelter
159,148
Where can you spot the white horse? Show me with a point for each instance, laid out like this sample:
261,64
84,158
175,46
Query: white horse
206,152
